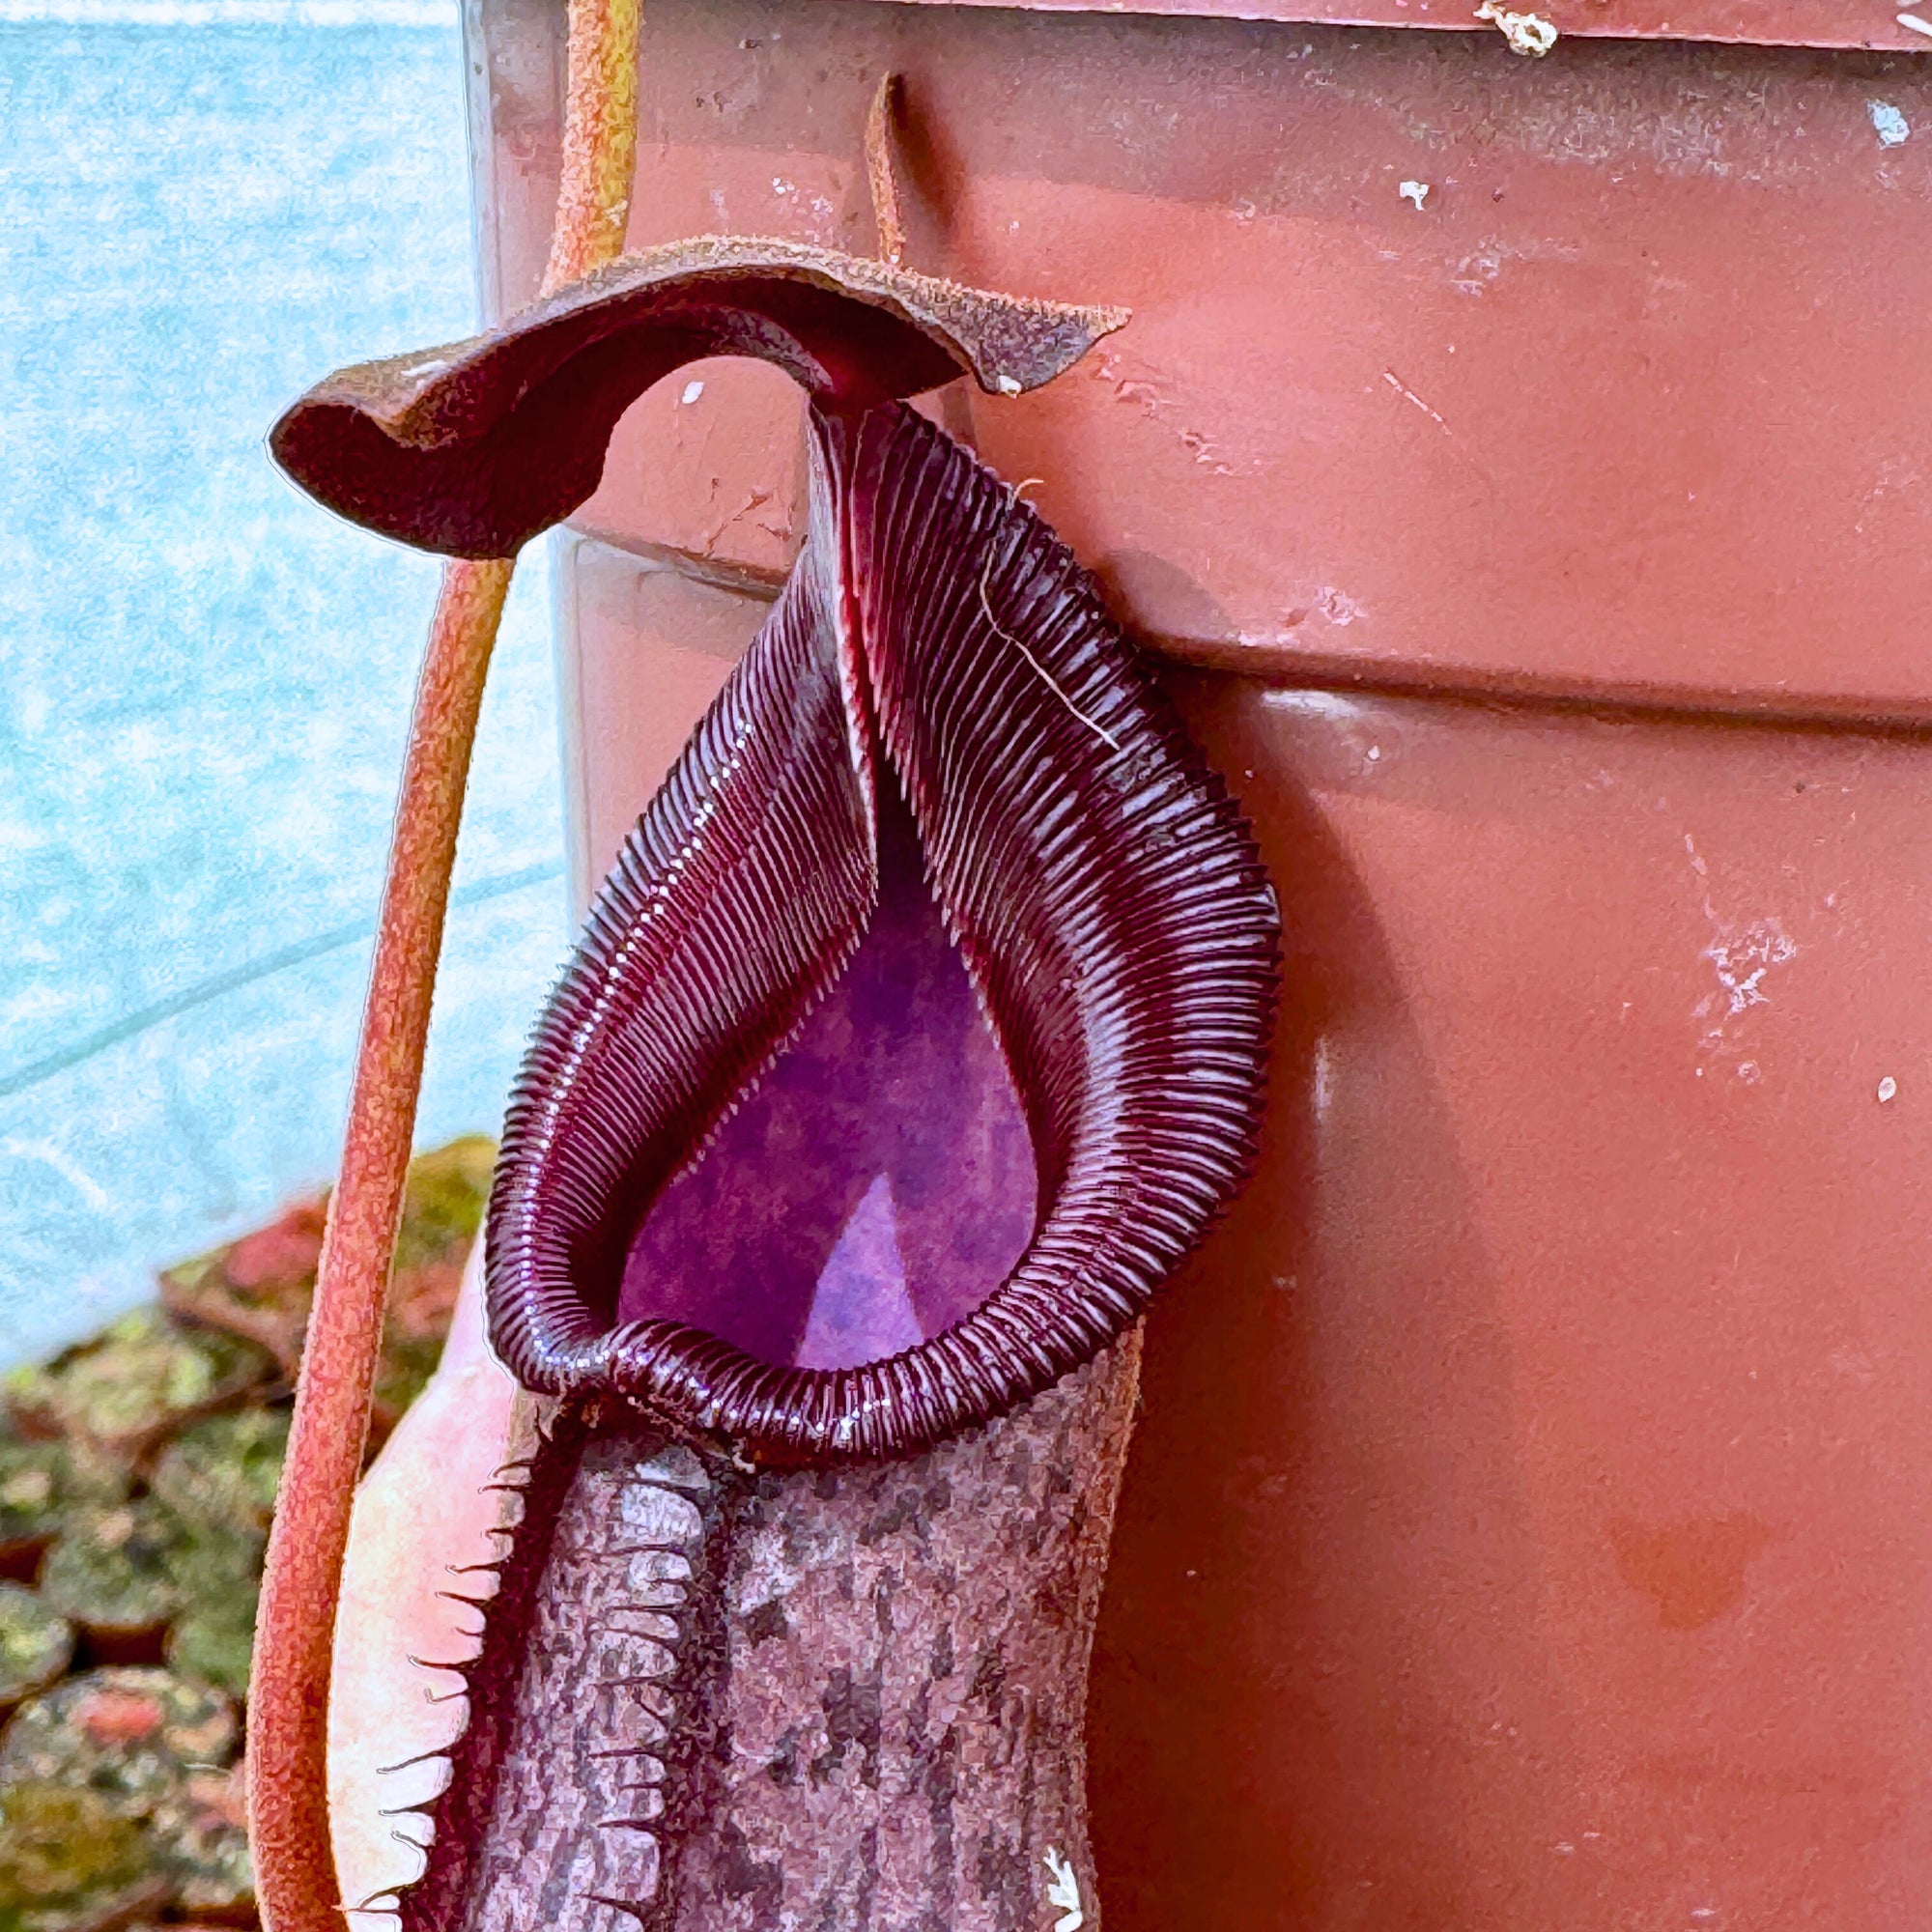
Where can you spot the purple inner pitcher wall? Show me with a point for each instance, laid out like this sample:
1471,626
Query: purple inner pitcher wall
878,1183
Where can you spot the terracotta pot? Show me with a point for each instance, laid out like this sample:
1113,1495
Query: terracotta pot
1523,468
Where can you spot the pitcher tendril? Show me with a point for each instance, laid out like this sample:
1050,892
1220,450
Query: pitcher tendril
288,1712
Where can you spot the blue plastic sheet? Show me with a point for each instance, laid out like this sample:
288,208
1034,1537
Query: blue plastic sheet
204,679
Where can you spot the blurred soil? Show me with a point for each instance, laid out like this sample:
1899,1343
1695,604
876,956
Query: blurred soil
137,1479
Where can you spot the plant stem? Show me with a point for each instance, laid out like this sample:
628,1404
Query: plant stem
879,175
288,1715
600,140
288,1712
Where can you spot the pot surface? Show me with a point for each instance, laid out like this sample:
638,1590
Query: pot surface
1520,465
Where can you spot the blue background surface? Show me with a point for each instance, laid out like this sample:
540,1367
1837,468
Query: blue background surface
204,679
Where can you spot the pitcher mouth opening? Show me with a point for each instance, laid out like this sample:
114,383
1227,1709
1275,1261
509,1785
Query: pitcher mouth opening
877,1183
918,1030
1095,905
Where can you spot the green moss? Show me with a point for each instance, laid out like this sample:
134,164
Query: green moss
444,1204
119,1569
136,1381
118,1793
443,1210
201,1842
133,1737
223,1470
406,1365
213,1635
40,1482
217,1646
67,1860
36,1643
120,1797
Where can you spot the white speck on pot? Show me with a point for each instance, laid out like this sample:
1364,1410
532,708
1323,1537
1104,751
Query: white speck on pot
691,392
1888,1089
1416,191
1526,33
1891,126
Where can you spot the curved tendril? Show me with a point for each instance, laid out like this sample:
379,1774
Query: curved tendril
294,1864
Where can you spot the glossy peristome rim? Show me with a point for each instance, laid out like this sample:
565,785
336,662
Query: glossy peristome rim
1100,885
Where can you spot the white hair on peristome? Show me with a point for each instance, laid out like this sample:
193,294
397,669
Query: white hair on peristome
1015,493
1045,676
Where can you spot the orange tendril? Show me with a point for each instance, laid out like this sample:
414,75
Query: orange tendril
287,1713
